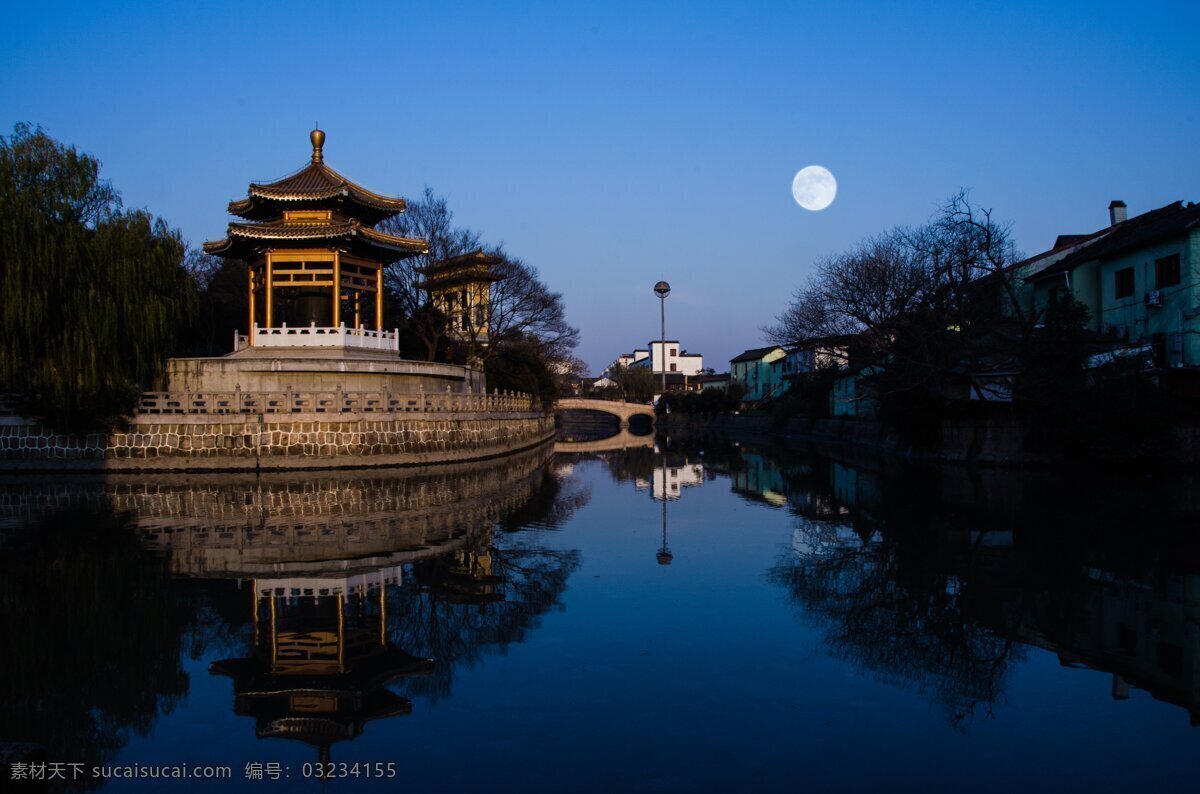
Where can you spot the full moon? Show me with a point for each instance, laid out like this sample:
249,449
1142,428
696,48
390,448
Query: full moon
814,188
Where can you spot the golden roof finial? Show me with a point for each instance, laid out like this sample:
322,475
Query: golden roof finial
318,140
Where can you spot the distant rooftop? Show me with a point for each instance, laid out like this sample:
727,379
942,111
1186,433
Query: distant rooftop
754,354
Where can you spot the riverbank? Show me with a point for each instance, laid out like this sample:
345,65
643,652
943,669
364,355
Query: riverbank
278,441
993,441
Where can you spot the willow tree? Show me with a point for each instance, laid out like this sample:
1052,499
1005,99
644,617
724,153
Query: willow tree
92,297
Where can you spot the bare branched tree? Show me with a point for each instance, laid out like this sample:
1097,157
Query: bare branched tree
523,308
428,218
943,271
923,302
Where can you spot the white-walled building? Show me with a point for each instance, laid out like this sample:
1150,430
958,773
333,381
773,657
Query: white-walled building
624,360
668,357
659,357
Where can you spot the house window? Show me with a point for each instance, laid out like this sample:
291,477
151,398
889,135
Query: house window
672,367
1166,271
672,351
1124,282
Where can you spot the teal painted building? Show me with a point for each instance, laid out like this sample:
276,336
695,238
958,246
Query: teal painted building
1140,282
760,372
853,393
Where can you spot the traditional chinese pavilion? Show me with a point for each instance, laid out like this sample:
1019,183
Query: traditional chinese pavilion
460,287
315,286
315,258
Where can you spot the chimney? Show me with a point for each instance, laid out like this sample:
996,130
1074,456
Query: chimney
1117,212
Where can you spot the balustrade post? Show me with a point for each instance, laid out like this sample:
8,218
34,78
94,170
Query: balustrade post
421,397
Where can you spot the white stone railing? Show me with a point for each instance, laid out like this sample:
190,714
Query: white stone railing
333,402
323,336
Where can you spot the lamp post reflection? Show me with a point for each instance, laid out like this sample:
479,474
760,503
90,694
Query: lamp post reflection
664,555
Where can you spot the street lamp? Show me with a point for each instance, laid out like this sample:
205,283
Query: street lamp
662,289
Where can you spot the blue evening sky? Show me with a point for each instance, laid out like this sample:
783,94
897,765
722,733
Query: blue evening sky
612,145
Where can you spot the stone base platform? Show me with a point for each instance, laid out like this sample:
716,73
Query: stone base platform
273,442
278,369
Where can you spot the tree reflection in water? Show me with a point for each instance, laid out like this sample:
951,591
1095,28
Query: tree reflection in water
461,607
941,580
458,608
96,637
103,626
886,609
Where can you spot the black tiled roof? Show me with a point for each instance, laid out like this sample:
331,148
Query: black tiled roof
1147,229
314,183
754,354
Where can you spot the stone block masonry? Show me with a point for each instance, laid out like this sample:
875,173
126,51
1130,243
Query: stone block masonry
274,441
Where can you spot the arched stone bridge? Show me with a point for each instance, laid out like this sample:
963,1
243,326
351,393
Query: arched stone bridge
621,410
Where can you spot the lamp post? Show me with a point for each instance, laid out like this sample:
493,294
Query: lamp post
662,289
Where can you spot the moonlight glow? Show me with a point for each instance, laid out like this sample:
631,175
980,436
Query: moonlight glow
814,188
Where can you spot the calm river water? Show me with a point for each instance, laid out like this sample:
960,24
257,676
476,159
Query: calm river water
679,617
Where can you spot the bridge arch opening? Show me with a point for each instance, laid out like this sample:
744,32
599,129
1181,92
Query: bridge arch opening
578,424
641,425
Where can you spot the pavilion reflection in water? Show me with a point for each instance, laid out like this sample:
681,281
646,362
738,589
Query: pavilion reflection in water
323,652
321,659
334,562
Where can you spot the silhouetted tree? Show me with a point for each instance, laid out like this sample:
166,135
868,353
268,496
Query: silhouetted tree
222,304
428,218
520,365
924,302
637,384
99,637
523,310
92,298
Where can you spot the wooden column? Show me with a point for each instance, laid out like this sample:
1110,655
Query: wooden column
337,289
379,299
254,597
270,292
383,614
341,629
250,331
274,633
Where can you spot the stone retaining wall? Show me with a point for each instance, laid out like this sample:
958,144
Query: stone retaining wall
274,441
